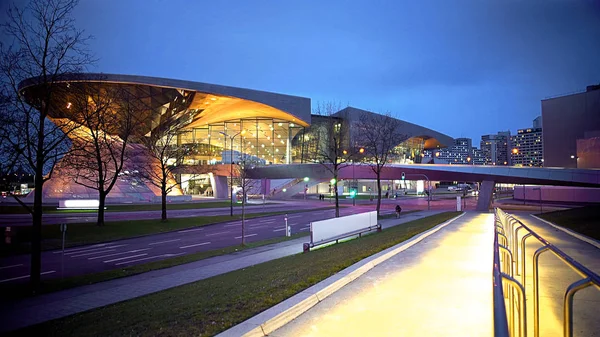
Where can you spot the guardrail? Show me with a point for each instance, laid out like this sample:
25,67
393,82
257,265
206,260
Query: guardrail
507,232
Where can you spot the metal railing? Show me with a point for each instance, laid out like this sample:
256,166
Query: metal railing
507,227
506,286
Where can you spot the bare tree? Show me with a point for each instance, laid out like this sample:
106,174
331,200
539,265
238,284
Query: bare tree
242,169
102,144
45,45
330,143
161,152
378,135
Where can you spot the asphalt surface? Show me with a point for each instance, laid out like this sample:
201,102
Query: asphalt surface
122,253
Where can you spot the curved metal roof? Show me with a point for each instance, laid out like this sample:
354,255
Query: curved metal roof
217,102
432,138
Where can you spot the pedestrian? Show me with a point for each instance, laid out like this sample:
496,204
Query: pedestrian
387,194
398,210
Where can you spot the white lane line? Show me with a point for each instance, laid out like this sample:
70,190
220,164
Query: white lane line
124,258
263,226
293,224
115,254
20,277
295,216
96,246
194,245
148,258
279,230
16,265
159,242
247,235
233,224
87,250
268,221
191,230
93,253
219,233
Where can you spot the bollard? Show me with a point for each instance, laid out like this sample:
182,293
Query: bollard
288,230
305,247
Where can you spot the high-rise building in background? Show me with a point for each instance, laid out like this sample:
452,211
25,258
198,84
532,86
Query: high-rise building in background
537,122
478,157
571,125
459,153
527,146
496,148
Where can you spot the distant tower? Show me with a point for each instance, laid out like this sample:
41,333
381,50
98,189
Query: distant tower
537,123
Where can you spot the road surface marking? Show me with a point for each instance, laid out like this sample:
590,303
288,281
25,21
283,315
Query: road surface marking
263,226
279,230
191,230
87,250
233,224
124,258
147,258
247,235
194,245
219,233
16,265
20,277
115,254
268,221
295,216
293,224
84,248
159,242
92,253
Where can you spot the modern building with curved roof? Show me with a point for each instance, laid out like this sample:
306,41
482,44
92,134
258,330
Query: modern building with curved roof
221,123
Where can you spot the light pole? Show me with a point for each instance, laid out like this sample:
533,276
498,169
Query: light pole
231,167
428,186
541,207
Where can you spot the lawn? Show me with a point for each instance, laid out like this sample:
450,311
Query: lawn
11,292
88,233
17,209
584,220
207,307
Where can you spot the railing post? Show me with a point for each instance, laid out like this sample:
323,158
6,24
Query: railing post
536,291
568,304
515,246
523,256
522,312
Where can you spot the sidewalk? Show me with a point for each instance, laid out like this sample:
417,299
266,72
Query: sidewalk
68,302
439,287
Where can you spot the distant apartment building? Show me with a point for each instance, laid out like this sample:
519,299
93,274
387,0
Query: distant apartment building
496,148
571,125
459,153
478,157
527,146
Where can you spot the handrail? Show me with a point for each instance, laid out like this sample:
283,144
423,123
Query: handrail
589,277
500,321
505,286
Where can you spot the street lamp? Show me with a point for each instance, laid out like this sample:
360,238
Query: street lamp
231,167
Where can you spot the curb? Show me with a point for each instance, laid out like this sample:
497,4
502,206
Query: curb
277,316
574,234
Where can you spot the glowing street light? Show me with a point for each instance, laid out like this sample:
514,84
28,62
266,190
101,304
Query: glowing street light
306,179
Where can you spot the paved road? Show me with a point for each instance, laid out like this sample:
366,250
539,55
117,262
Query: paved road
123,253
56,218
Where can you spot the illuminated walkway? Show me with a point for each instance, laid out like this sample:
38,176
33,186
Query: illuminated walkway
439,287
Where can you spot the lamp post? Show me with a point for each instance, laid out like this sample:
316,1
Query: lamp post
231,167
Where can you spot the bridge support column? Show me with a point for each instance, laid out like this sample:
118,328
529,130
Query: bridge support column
486,191
220,187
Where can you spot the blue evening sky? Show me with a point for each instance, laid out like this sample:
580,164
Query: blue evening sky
464,68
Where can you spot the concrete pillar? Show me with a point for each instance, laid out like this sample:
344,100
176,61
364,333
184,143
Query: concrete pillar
220,187
486,191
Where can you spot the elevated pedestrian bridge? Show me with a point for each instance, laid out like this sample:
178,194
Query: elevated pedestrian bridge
488,176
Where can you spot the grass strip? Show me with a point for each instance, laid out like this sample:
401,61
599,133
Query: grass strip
209,306
22,290
18,209
88,233
584,220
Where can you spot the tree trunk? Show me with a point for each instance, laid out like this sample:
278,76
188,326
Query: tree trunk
243,217
163,194
36,232
337,201
378,192
101,204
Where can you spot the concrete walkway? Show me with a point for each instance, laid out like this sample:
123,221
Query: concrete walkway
68,302
439,287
